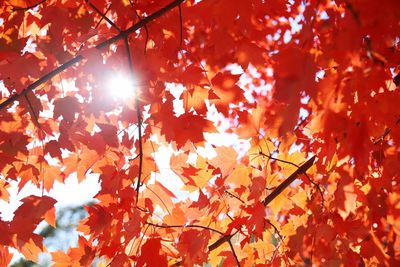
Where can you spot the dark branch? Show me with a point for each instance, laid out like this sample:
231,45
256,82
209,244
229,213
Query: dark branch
28,7
387,131
181,27
300,170
35,117
102,45
276,230
297,166
103,16
234,253
223,239
234,196
146,31
139,119
219,242
215,245
185,226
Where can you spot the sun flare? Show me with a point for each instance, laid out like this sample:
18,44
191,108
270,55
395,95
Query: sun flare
120,86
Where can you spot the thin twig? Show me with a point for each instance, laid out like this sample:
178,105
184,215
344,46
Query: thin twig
145,29
33,111
139,119
385,133
234,196
103,16
28,7
79,58
140,241
223,239
234,253
318,188
276,230
185,226
162,201
281,160
181,27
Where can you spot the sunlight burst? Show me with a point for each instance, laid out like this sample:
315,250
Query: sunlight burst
120,86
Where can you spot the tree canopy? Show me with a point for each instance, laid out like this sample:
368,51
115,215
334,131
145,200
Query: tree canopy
307,92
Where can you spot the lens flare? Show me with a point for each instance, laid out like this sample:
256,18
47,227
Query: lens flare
120,86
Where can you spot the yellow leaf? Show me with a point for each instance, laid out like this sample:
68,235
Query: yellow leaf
295,158
300,199
259,145
332,163
288,230
240,176
204,174
280,203
225,159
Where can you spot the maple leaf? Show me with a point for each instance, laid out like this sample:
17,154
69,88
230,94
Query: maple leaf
225,159
188,127
256,221
150,254
30,247
282,92
98,220
30,214
257,188
224,86
192,246
202,201
53,148
66,107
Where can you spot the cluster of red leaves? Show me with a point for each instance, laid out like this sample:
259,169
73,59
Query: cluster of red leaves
319,77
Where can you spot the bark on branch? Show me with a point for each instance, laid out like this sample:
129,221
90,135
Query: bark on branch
71,62
302,169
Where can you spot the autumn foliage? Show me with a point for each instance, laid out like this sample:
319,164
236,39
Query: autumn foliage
307,90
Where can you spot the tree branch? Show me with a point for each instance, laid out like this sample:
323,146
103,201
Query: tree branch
216,244
185,226
102,45
181,27
103,16
234,196
139,119
27,7
32,111
145,29
297,166
302,169
219,242
234,253
386,132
